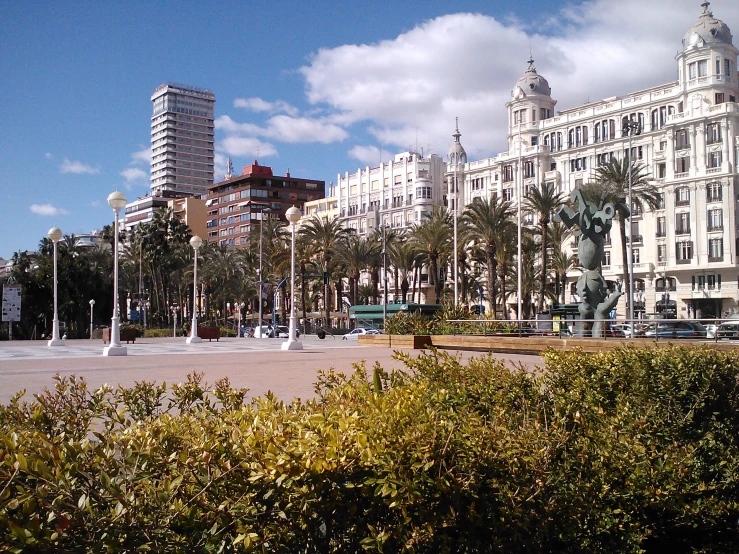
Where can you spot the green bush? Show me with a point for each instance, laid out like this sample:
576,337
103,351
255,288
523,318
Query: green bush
633,450
160,333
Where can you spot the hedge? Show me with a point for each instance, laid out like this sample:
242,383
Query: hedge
633,450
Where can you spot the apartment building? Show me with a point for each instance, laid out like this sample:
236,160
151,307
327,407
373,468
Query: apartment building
233,205
182,139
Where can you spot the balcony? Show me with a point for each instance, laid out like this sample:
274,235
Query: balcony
712,228
661,234
682,201
684,262
682,230
636,239
712,170
681,175
714,259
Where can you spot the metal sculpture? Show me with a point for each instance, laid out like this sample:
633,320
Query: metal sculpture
594,223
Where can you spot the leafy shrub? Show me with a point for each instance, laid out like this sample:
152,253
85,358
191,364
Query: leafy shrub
633,450
158,333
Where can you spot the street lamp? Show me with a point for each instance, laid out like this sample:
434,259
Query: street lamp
630,128
293,216
242,305
117,201
258,330
92,305
54,235
196,242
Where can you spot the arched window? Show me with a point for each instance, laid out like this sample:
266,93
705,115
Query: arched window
596,133
571,139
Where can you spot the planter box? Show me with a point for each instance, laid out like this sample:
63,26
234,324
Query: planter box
129,335
414,342
209,333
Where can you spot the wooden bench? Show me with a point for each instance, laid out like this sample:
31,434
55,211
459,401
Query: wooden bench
209,333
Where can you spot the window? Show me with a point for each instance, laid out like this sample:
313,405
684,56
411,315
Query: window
661,170
715,219
661,201
508,194
682,223
682,165
682,196
635,255
698,69
423,192
718,66
661,226
606,261
713,133
714,192
507,173
715,250
682,139
578,164
719,98
596,133
684,252
714,160
727,68
661,252
637,153
519,116
528,169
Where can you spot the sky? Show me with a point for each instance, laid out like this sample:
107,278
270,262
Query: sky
315,88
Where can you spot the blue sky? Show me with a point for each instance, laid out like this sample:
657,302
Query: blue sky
317,87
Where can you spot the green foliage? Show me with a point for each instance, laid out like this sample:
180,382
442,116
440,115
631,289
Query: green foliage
633,450
158,333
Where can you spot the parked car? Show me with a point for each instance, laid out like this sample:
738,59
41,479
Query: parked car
283,332
728,330
677,330
354,333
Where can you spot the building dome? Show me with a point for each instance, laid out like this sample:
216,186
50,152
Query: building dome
533,83
707,30
457,155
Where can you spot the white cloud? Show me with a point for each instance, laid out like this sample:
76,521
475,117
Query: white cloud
369,155
95,203
77,167
47,209
411,88
284,128
134,174
246,146
141,156
48,155
260,105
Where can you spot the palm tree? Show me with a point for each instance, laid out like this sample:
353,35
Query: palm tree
485,223
356,256
403,257
326,235
543,201
433,237
561,264
611,183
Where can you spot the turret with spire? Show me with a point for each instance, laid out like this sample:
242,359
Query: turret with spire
457,155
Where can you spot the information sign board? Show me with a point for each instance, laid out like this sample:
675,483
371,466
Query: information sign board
11,302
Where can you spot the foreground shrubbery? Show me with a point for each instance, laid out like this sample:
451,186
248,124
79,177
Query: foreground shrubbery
628,451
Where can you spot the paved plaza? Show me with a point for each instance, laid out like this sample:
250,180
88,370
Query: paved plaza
257,364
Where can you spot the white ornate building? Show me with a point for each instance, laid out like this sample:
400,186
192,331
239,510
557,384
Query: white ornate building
689,141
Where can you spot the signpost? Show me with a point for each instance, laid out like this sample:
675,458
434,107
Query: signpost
11,306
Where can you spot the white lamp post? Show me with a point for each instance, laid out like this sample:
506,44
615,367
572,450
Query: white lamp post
117,201
196,242
54,235
293,216
383,238
92,305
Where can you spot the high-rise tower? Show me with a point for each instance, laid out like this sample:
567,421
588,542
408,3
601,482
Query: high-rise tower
182,139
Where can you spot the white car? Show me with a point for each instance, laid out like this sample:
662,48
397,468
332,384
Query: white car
352,335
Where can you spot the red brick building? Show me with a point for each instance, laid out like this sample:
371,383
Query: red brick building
234,206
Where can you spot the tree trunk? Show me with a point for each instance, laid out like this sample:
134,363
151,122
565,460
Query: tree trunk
543,284
395,281
490,253
415,280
